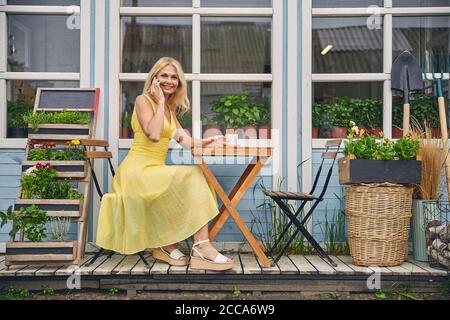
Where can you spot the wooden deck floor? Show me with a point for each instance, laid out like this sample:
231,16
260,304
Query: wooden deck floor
293,273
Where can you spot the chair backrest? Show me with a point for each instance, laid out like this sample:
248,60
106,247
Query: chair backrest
93,154
327,155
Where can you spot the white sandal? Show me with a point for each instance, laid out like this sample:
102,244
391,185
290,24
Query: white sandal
173,258
220,263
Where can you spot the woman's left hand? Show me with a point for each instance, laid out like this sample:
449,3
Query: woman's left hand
215,141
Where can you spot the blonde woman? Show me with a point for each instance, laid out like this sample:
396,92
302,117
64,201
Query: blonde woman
153,205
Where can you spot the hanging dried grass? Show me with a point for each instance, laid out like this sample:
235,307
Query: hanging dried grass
432,156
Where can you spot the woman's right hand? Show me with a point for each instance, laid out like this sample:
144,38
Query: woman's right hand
156,92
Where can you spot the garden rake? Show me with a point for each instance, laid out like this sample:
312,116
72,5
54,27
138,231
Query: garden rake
438,68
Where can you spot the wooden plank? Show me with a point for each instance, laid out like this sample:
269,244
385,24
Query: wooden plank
61,126
29,270
2,258
415,270
56,136
399,270
237,267
48,201
341,268
358,269
426,266
84,269
48,270
126,265
268,270
198,271
108,266
2,264
233,151
320,265
94,143
287,266
141,269
303,265
159,267
249,264
98,154
177,270
11,271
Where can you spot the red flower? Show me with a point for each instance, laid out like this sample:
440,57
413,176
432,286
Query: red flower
42,147
31,146
39,165
48,166
50,144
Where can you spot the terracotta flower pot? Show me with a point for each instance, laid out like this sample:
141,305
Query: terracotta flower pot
264,132
397,132
125,133
250,132
315,133
338,132
210,130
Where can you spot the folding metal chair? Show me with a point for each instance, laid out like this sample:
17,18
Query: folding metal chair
280,196
91,155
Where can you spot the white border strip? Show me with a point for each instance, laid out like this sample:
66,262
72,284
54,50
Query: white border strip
398,11
85,43
349,77
169,11
42,10
387,64
69,76
206,77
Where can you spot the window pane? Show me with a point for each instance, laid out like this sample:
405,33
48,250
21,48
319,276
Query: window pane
156,3
20,95
346,45
146,39
421,35
336,104
226,107
130,90
237,3
346,3
44,2
236,45
421,3
42,44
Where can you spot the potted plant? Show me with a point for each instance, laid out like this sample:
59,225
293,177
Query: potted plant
69,161
64,124
30,223
264,124
317,111
17,127
375,159
40,186
125,129
427,193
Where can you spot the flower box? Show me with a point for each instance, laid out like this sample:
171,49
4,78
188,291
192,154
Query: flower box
27,252
352,171
54,207
66,169
59,131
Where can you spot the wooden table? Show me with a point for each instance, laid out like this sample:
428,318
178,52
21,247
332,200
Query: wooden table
229,207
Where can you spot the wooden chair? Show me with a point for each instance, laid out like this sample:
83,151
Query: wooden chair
105,154
281,198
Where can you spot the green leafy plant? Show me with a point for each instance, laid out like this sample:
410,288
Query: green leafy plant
47,152
40,182
30,220
236,292
59,227
126,120
47,291
113,291
330,295
16,110
12,293
185,119
236,111
374,146
64,117
422,107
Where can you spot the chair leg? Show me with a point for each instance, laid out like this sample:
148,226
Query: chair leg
308,236
141,255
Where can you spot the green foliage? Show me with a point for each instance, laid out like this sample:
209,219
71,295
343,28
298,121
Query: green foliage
126,120
335,235
12,293
236,111
406,148
185,119
113,291
16,110
422,108
236,292
369,146
40,182
47,154
31,220
47,291
59,227
398,291
330,295
366,113
65,117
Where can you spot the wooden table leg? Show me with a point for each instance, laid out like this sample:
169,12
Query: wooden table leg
230,207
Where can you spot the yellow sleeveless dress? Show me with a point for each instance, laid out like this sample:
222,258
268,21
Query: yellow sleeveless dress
152,204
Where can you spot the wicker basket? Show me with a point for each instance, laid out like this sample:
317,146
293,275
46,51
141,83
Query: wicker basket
378,219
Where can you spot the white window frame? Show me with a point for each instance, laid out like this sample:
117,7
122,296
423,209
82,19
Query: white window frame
276,12
84,10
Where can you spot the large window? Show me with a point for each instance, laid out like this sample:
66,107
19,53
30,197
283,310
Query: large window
225,53
352,54
42,47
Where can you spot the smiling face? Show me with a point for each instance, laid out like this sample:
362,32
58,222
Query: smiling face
168,79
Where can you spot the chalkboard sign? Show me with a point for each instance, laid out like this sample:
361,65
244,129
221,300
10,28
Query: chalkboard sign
73,99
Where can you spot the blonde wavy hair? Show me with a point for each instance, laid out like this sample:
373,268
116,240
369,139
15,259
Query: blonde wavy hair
178,101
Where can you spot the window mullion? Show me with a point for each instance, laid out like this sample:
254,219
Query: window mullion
196,62
387,64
